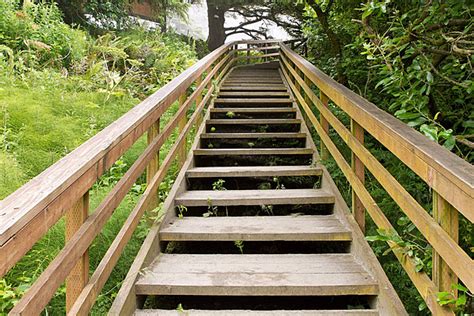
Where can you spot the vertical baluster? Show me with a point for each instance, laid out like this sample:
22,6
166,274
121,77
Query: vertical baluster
181,125
447,217
358,209
79,275
198,101
325,125
154,164
248,53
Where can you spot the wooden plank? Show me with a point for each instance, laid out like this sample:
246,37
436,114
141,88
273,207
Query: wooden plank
250,275
259,48
259,171
154,164
233,312
252,88
248,94
446,173
252,121
447,217
457,259
253,135
253,110
249,57
252,151
182,123
254,100
79,275
255,197
260,228
325,125
358,209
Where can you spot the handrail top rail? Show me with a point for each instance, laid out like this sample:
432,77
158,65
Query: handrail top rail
17,209
436,157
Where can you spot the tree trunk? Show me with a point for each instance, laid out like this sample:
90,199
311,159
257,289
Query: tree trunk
215,19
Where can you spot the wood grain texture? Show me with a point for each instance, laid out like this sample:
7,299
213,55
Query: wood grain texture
255,197
79,275
295,228
258,171
194,312
249,275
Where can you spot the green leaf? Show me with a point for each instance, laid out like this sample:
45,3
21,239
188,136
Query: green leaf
430,131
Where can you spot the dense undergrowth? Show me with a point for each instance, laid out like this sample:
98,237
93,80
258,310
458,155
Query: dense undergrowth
59,86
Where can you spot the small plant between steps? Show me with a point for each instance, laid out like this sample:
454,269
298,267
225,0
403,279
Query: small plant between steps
181,210
240,245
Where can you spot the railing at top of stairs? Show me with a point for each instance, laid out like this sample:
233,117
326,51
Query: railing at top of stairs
62,189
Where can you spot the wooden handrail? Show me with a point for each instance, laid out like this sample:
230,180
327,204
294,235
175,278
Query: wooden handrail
446,173
28,213
46,198
451,177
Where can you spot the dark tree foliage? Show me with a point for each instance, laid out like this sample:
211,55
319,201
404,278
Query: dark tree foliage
282,13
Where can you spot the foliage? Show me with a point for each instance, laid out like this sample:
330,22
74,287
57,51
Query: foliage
59,86
413,60
450,298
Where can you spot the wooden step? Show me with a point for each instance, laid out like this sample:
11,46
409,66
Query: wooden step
253,110
252,151
254,100
256,228
251,171
255,197
251,121
254,275
252,88
234,312
253,135
251,94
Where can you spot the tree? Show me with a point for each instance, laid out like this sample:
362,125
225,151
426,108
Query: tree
279,12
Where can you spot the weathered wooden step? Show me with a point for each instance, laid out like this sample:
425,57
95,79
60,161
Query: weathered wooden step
254,94
253,151
252,88
233,312
254,275
253,100
256,228
252,171
253,110
251,121
253,135
255,197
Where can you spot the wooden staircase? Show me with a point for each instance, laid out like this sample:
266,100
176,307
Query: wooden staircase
256,225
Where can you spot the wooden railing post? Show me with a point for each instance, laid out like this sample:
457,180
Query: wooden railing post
248,53
181,125
447,217
79,275
154,164
198,101
358,209
325,125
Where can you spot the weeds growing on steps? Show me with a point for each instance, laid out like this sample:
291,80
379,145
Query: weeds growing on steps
58,87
